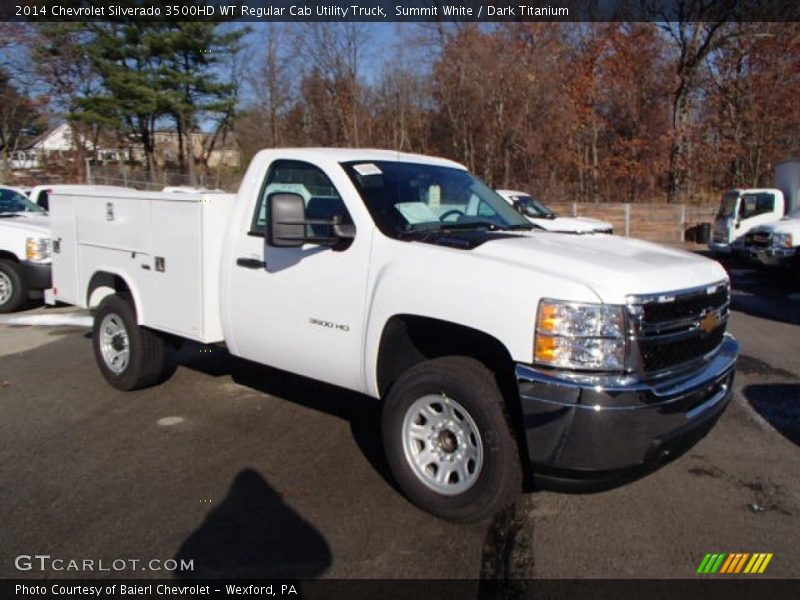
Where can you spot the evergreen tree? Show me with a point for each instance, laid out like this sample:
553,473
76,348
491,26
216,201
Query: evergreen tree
193,82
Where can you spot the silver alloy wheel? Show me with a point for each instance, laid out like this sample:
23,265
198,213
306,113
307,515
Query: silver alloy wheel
442,444
114,344
6,288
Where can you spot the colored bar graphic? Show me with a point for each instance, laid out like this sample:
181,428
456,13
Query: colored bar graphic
727,564
751,564
703,563
764,564
717,564
740,564
731,563
735,562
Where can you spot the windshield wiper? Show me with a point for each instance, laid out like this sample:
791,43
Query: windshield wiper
471,225
522,227
425,232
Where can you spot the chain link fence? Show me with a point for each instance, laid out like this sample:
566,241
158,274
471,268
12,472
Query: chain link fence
226,180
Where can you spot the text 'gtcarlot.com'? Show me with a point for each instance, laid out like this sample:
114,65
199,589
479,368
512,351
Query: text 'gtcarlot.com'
44,562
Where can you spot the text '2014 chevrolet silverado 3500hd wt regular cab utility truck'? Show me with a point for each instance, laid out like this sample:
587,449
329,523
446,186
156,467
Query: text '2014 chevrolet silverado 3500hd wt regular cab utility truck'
496,350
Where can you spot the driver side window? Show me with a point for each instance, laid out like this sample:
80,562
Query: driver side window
304,179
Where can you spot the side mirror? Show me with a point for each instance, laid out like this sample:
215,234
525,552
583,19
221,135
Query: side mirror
286,224
286,227
343,231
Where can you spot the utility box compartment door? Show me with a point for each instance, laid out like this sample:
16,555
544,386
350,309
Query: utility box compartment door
175,277
65,250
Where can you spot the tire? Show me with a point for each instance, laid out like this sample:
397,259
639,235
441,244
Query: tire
13,288
470,402
145,361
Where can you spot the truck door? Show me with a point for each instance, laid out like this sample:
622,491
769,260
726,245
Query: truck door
299,309
757,208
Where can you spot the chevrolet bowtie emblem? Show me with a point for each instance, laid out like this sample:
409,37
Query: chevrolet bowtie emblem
709,322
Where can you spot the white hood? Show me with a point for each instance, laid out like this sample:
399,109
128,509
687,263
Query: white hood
571,224
785,225
37,224
612,267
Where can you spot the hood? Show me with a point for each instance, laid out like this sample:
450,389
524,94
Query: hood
571,224
785,225
611,266
38,225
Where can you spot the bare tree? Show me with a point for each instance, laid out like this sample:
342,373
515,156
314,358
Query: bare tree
698,30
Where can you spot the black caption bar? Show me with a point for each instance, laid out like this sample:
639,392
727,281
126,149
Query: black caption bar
400,10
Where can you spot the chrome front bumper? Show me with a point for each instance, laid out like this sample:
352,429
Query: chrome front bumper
587,427
719,247
773,257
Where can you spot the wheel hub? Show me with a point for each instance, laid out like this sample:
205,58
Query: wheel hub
448,441
114,343
118,343
442,444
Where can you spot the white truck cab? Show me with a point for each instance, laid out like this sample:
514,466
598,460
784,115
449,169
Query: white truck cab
777,243
539,214
25,249
740,210
495,348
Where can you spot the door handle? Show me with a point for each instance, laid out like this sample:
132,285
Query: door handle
251,263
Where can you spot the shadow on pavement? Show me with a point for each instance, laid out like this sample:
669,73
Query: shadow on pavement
779,405
362,412
253,534
763,293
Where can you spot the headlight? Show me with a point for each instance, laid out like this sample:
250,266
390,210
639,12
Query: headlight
782,240
38,249
571,335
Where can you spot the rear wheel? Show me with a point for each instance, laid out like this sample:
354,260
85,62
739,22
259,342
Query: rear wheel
13,291
448,439
129,356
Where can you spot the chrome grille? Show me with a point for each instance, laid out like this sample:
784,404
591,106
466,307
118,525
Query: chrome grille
676,328
758,240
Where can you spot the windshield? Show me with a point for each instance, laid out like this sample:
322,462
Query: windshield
728,206
405,198
531,207
12,202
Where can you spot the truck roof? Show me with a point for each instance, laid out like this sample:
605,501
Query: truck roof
359,154
754,190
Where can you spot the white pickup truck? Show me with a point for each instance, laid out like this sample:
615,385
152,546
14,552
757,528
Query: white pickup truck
497,350
776,244
24,249
544,218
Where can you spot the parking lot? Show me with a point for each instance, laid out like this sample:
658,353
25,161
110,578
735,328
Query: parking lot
253,472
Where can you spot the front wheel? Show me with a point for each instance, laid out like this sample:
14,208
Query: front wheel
13,291
448,439
129,356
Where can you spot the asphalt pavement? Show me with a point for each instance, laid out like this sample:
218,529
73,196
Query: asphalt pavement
251,472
